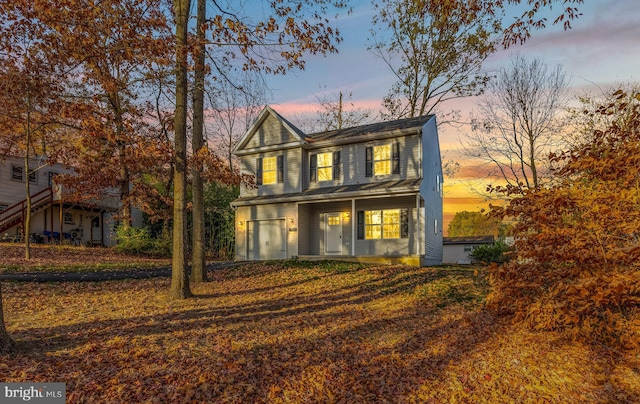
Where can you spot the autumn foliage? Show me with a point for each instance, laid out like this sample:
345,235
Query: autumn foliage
577,251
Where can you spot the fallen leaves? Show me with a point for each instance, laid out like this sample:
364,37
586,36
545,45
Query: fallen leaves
279,333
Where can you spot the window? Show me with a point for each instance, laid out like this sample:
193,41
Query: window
68,218
50,176
269,170
382,160
383,224
17,174
324,166
3,206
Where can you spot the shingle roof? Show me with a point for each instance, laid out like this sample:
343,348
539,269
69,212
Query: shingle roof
371,188
468,240
390,127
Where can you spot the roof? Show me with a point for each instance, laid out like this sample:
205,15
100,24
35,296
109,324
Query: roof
397,127
468,240
372,189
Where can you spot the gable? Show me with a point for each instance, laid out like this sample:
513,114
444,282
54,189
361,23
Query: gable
270,131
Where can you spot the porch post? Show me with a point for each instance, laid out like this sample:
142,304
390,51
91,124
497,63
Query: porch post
418,230
353,227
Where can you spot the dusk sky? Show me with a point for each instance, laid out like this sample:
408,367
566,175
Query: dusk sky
601,50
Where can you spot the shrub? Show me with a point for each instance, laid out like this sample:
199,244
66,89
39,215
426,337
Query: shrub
140,241
491,253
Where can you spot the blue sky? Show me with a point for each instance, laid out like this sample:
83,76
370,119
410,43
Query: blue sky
599,52
602,48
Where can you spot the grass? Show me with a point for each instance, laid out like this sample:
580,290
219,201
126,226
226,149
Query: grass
287,333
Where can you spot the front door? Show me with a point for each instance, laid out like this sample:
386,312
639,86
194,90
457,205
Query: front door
333,233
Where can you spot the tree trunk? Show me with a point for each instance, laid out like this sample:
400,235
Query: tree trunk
198,264
27,218
179,266
6,343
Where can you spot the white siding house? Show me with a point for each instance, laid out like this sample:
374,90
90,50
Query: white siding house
54,216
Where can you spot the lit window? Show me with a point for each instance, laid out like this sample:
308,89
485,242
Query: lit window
269,170
372,224
333,220
325,166
383,224
391,224
382,160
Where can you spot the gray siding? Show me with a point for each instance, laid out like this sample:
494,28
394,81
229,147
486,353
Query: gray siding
270,133
292,180
286,211
431,192
353,158
389,247
314,228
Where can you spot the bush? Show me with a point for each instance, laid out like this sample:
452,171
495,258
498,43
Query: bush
140,241
491,253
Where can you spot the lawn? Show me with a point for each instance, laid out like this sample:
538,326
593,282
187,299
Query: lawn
300,332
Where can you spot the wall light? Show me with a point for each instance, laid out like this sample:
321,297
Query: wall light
240,223
346,215
290,220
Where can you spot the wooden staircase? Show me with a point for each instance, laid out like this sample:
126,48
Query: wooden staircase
16,213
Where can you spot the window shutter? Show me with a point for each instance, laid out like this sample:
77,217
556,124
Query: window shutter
360,223
280,168
404,223
336,165
369,162
313,168
395,158
259,171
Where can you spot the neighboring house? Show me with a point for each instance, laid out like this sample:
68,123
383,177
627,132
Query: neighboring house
456,250
54,217
368,193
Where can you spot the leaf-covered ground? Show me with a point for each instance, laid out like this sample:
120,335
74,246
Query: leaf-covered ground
290,333
66,258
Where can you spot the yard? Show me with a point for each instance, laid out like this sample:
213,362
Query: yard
300,332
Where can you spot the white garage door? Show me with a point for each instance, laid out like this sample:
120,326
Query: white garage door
266,239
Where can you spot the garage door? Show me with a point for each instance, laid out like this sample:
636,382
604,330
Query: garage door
266,239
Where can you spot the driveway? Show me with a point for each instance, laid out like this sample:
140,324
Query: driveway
163,272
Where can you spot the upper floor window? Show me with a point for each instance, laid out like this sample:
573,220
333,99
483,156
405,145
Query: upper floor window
17,174
324,166
382,160
50,176
270,170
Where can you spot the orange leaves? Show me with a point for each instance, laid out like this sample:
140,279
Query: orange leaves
285,332
577,246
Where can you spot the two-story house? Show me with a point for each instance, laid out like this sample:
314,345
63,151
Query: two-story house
371,193
55,217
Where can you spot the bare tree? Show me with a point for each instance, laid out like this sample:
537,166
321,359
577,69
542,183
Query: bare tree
519,123
435,49
235,100
334,115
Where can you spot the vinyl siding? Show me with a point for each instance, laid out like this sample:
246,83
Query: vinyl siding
286,211
389,247
353,158
270,133
293,171
313,241
432,195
